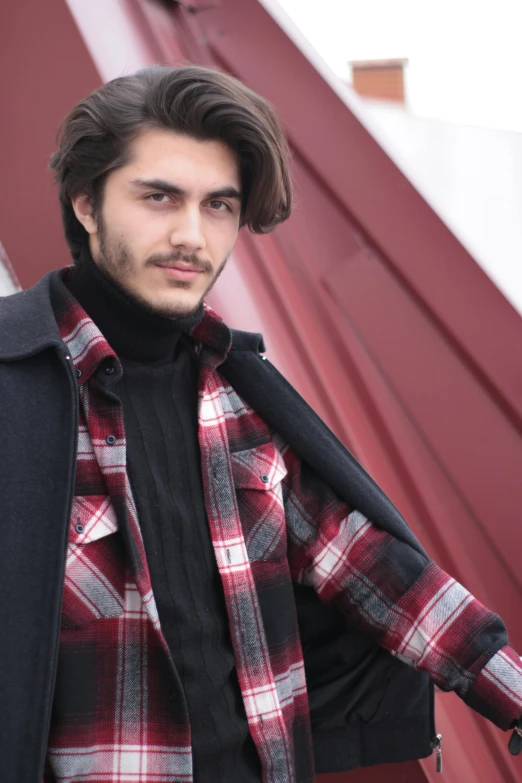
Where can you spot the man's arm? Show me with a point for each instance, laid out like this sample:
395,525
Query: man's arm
413,608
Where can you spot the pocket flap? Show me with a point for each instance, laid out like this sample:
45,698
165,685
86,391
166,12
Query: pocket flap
92,517
260,468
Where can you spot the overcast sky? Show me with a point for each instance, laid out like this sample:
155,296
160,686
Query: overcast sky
465,56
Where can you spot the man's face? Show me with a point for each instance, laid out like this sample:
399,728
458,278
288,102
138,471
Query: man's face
168,220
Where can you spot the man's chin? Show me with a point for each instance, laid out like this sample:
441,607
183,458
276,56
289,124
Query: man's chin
178,308
180,303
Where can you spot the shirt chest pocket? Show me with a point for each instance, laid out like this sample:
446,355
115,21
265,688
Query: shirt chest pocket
94,582
258,475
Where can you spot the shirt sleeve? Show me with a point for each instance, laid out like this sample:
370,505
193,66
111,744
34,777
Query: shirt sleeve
412,607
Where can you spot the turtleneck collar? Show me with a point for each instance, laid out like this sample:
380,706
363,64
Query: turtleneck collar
133,332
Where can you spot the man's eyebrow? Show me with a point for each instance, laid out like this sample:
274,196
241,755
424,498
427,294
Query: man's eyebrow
227,191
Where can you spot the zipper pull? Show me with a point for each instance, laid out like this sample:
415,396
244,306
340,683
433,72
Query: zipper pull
515,743
436,744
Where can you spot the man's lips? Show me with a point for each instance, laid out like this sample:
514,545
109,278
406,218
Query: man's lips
180,271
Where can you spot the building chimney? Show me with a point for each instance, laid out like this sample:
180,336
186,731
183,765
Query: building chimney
379,79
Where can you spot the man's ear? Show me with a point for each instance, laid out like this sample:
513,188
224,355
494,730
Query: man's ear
83,210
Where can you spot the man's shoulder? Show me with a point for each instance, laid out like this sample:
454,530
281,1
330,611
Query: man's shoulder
27,321
41,290
247,341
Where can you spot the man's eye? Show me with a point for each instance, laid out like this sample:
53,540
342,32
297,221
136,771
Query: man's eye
157,198
218,205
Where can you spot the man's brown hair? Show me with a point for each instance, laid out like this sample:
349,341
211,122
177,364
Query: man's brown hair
199,102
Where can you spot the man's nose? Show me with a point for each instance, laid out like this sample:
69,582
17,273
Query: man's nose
187,231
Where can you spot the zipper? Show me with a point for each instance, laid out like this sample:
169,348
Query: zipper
61,576
436,744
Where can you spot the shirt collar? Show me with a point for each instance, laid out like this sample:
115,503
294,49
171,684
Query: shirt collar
88,347
212,333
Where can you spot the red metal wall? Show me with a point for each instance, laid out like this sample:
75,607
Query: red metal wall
44,69
367,302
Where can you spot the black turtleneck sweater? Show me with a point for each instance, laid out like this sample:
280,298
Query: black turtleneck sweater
158,392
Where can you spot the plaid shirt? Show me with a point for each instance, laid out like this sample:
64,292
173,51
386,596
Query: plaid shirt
119,714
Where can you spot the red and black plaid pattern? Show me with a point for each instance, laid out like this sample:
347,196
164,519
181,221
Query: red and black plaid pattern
119,715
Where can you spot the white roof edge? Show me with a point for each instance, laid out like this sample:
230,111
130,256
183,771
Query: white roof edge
8,281
344,92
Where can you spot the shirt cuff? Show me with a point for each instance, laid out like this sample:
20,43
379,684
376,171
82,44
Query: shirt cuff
497,691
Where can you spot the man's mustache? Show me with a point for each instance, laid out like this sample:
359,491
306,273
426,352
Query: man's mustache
193,260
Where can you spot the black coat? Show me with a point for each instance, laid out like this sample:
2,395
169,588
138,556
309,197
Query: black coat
366,706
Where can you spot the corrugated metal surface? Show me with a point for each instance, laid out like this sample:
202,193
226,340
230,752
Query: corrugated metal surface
367,302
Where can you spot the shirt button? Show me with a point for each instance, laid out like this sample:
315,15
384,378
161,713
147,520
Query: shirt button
172,696
109,370
264,479
78,372
79,528
110,440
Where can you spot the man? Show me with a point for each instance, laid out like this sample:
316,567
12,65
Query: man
178,528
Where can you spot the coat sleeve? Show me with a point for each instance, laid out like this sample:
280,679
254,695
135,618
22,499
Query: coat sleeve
411,606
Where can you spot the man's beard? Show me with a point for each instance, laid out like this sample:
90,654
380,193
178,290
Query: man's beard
117,263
